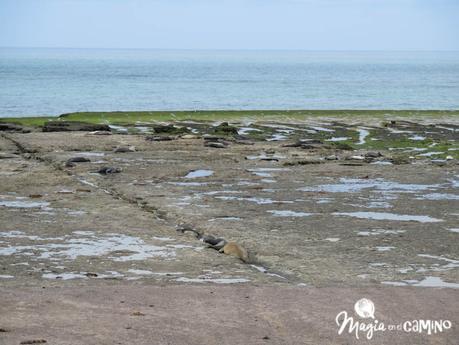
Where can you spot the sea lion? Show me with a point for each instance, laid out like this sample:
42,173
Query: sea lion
232,248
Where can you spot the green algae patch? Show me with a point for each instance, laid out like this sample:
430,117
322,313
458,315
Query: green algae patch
133,117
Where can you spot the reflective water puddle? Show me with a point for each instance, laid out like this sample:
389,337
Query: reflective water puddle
388,216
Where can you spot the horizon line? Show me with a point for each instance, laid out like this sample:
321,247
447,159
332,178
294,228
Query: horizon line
234,49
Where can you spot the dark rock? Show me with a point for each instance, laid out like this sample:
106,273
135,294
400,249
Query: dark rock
33,341
304,162
78,160
311,141
352,164
108,170
71,126
70,165
306,146
170,129
12,127
159,138
225,128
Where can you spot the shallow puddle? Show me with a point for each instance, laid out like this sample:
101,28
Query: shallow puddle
363,133
426,282
212,280
286,213
388,216
21,202
199,173
350,185
117,247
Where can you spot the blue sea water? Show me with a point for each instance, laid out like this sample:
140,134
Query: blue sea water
56,81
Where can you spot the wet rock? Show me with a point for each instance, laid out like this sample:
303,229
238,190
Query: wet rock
71,126
12,127
35,196
225,129
108,170
351,164
78,160
91,275
169,129
33,341
304,162
216,145
124,149
159,138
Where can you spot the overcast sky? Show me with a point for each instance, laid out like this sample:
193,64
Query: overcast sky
232,24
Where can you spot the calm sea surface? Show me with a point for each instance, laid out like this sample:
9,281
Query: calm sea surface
56,81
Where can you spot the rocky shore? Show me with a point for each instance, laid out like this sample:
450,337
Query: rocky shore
318,204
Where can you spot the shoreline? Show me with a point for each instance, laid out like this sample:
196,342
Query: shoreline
130,117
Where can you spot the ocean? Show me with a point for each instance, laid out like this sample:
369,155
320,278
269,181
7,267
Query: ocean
55,81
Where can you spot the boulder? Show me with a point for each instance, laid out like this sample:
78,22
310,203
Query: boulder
73,126
225,129
169,129
12,127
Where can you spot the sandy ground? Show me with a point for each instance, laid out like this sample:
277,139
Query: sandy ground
247,314
84,255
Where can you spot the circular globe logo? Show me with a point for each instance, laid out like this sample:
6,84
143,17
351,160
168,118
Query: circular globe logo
365,308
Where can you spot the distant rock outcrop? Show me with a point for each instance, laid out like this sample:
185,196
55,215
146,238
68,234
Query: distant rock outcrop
73,126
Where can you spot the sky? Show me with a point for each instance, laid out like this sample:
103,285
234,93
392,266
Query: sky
232,24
